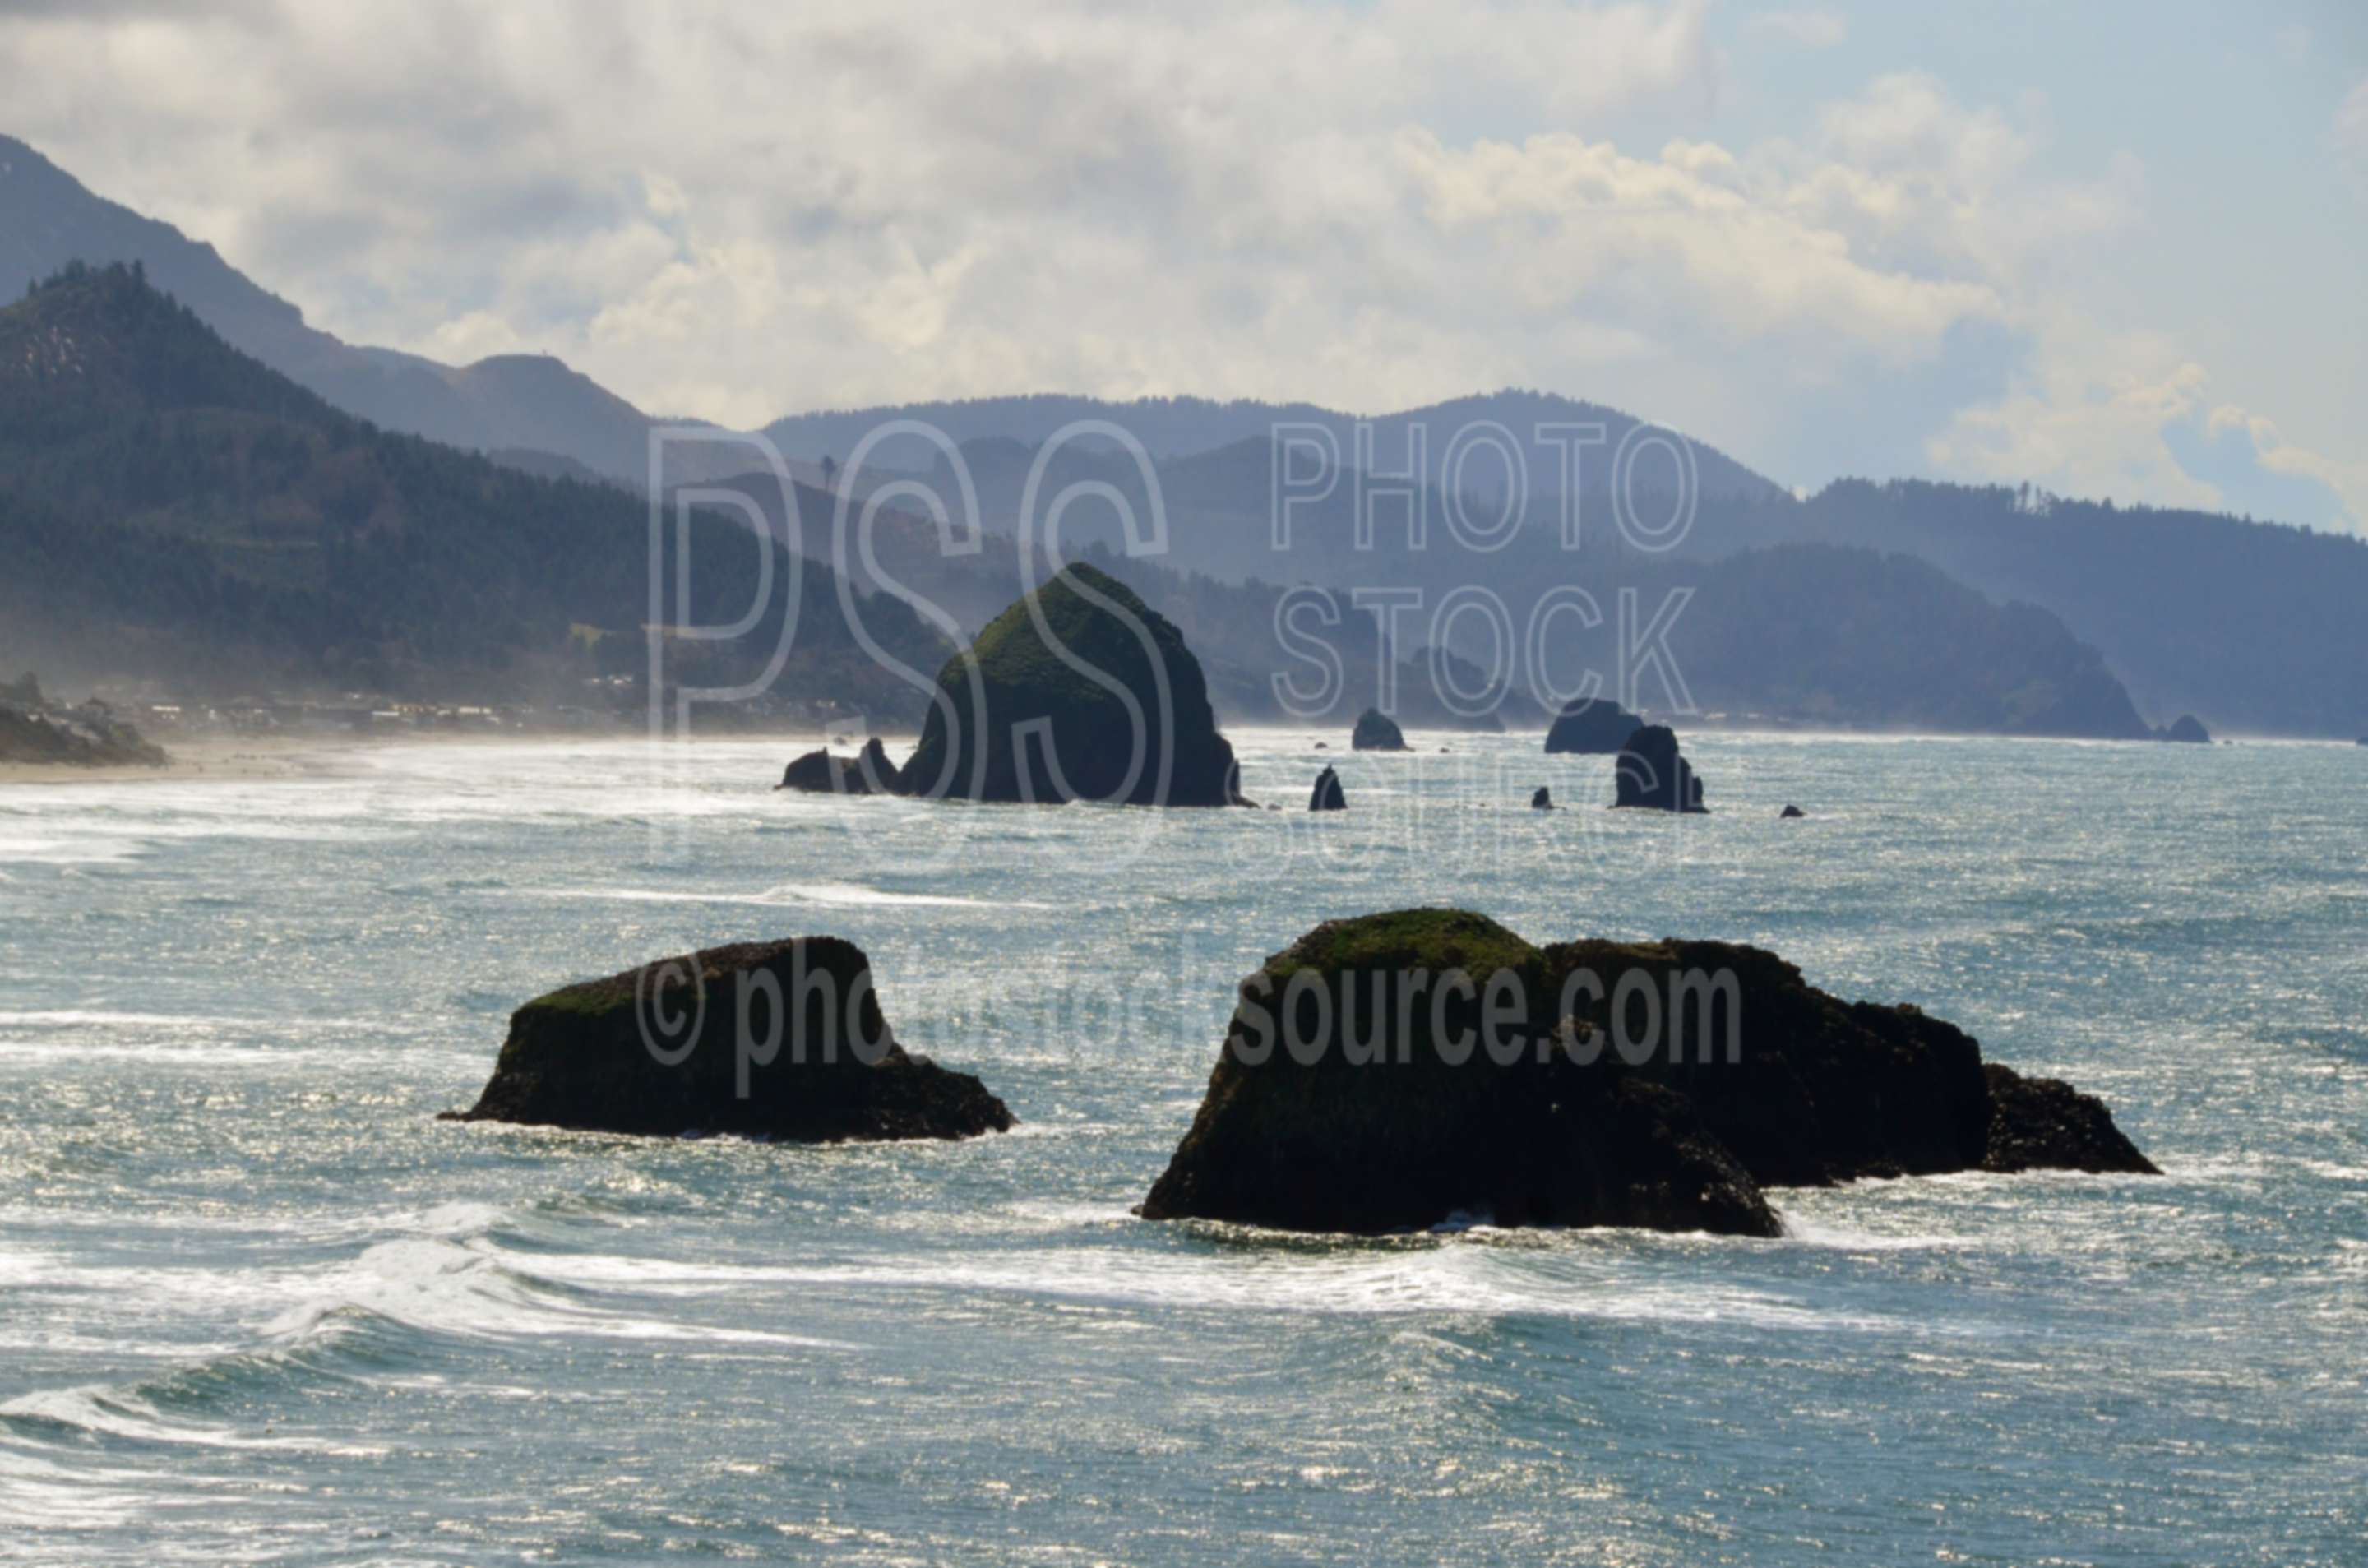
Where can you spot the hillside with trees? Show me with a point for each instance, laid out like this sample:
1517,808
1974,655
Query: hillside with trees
173,507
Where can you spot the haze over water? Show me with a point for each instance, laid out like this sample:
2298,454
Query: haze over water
256,1304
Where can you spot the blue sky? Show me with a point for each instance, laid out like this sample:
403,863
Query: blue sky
2111,249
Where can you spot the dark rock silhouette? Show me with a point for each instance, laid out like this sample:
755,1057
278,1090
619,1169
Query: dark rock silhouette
1386,1118
1326,795
1651,773
657,1049
2188,729
1803,1088
1591,726
868,773
1543,801
1408,1140
1376,732
1790,812
2046,1124
1072,709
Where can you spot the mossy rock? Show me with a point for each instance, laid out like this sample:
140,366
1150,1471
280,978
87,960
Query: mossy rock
1342,1101
1049,719
659,1050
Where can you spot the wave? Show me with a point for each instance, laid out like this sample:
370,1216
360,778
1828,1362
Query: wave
1320,1276
828,894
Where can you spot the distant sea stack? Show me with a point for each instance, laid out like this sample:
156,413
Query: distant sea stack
662,1049
1791,813
1543,801
868,773
1591,727
1326,795
1376,731
1049,719
1357,1091
2187,730
1650,773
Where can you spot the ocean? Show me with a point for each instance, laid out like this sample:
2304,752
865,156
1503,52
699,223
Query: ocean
258,1305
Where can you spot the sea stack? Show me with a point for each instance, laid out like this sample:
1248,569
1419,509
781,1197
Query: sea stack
783,1040
1650,773
1376,731
1543,801
1591,727
868,773
1326,795
1081,693
1364,1085
1791,813
1326,1139
2187,729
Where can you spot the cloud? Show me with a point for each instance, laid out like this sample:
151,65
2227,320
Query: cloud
2127,416
2351,135
735,210
1811,27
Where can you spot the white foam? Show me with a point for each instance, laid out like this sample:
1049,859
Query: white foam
1459,1277
440,1286
826,894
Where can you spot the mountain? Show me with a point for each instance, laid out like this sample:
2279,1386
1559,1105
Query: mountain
49,220
174,509
1172,427
2248,625
1819,634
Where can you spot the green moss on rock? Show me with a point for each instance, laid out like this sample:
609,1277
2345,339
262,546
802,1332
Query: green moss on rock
1048,717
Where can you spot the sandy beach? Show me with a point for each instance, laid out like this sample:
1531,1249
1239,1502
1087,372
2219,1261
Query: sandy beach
205,756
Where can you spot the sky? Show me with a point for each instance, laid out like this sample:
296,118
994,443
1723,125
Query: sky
2117,248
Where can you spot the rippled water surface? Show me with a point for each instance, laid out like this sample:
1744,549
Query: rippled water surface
256,1304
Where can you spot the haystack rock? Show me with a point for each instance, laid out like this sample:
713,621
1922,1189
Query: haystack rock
1364,1086
1376,731
1082,693
1591,726
783,1040
1651,773
1326,795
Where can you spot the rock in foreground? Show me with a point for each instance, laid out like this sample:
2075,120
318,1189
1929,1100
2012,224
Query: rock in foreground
1326,795
2046,1124
1341,1100
1084,693
1376,731
1350,1145
663,1049
1591,727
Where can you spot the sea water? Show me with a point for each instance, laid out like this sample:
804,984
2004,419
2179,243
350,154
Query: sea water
256,1304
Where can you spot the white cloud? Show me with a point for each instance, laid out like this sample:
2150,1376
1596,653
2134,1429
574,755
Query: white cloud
736,211
2090,419
2350,135
1812,27
2348,481
2099,414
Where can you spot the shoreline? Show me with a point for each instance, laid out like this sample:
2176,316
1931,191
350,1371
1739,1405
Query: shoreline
248,758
